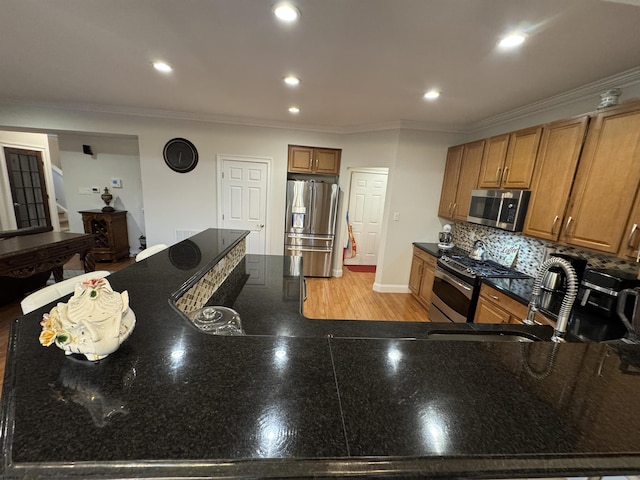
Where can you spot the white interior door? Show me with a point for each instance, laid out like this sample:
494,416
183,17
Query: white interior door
366,206
244,200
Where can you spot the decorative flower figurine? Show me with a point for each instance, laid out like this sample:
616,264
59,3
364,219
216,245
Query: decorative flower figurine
94,322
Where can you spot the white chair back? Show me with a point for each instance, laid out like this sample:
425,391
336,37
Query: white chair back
152,250
50,293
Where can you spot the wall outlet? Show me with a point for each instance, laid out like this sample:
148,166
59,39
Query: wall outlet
396,216
95,189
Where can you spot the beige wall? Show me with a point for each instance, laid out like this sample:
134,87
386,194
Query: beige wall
414,189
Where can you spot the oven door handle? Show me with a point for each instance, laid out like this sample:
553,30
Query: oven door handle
451,279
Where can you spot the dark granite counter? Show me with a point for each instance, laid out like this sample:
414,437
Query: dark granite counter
432,249
585,325
299,398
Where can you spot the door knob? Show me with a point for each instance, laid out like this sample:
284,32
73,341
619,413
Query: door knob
261,225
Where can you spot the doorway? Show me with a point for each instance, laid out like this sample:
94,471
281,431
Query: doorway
367,194
25,170
243,197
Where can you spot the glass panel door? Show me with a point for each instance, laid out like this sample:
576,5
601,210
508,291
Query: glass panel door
28,188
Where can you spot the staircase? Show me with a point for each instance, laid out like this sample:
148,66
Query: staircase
58,184
63,218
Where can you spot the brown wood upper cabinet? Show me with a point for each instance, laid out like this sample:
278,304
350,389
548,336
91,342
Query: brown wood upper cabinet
460,178
324,161
556,164
606,182
509,159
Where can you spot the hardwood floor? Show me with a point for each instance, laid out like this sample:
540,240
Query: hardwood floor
11,311
351,297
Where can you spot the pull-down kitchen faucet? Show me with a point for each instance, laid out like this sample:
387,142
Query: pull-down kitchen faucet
567,302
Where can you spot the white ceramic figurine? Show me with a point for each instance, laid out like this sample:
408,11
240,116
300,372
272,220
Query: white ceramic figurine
94,322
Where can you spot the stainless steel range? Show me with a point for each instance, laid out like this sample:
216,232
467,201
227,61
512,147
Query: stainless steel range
456,286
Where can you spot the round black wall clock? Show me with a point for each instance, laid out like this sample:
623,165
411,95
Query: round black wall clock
180,155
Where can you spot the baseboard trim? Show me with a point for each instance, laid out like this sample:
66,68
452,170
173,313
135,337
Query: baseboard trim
382,288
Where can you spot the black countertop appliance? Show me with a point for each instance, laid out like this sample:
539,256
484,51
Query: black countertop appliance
599,289
555,279
597,302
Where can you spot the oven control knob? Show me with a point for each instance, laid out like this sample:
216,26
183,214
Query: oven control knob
444,258
471,271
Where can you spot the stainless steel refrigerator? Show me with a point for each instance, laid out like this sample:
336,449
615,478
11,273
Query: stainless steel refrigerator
310,224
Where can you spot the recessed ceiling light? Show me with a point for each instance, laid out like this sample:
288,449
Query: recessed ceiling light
511,41
286,12
292,81
432,94
294,110
162,67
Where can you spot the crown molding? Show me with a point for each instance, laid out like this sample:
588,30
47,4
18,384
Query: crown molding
173,115
402,125
620,80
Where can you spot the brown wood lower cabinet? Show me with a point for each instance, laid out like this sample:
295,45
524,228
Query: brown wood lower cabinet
423,269
497,307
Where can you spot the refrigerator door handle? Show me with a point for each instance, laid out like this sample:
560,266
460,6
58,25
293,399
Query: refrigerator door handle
319,250
308,237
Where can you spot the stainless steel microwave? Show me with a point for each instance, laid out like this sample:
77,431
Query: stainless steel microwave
503,209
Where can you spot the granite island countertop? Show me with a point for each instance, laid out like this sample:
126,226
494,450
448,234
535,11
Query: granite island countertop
298,397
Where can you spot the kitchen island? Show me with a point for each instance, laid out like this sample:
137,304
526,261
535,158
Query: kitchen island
297,397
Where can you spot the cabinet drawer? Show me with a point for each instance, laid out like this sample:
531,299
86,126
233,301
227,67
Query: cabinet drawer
430,260
515,308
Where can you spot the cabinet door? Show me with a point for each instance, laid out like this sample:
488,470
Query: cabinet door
521,158
300,159
495,153
606,181
631,239
426,286
468,179
487,312
450,181
560,148
327,161
416,274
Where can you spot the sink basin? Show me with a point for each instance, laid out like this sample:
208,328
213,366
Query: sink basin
479,336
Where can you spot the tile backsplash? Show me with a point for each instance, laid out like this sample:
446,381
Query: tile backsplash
531,251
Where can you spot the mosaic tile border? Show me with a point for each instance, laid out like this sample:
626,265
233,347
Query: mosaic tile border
532,252
201,291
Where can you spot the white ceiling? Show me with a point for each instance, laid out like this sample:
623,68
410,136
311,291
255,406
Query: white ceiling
362,62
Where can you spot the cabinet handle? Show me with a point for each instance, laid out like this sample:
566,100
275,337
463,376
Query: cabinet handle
310,163
450,207
633,230
566,229
505,174
553,225
494,297
498,175
455,205
316,163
